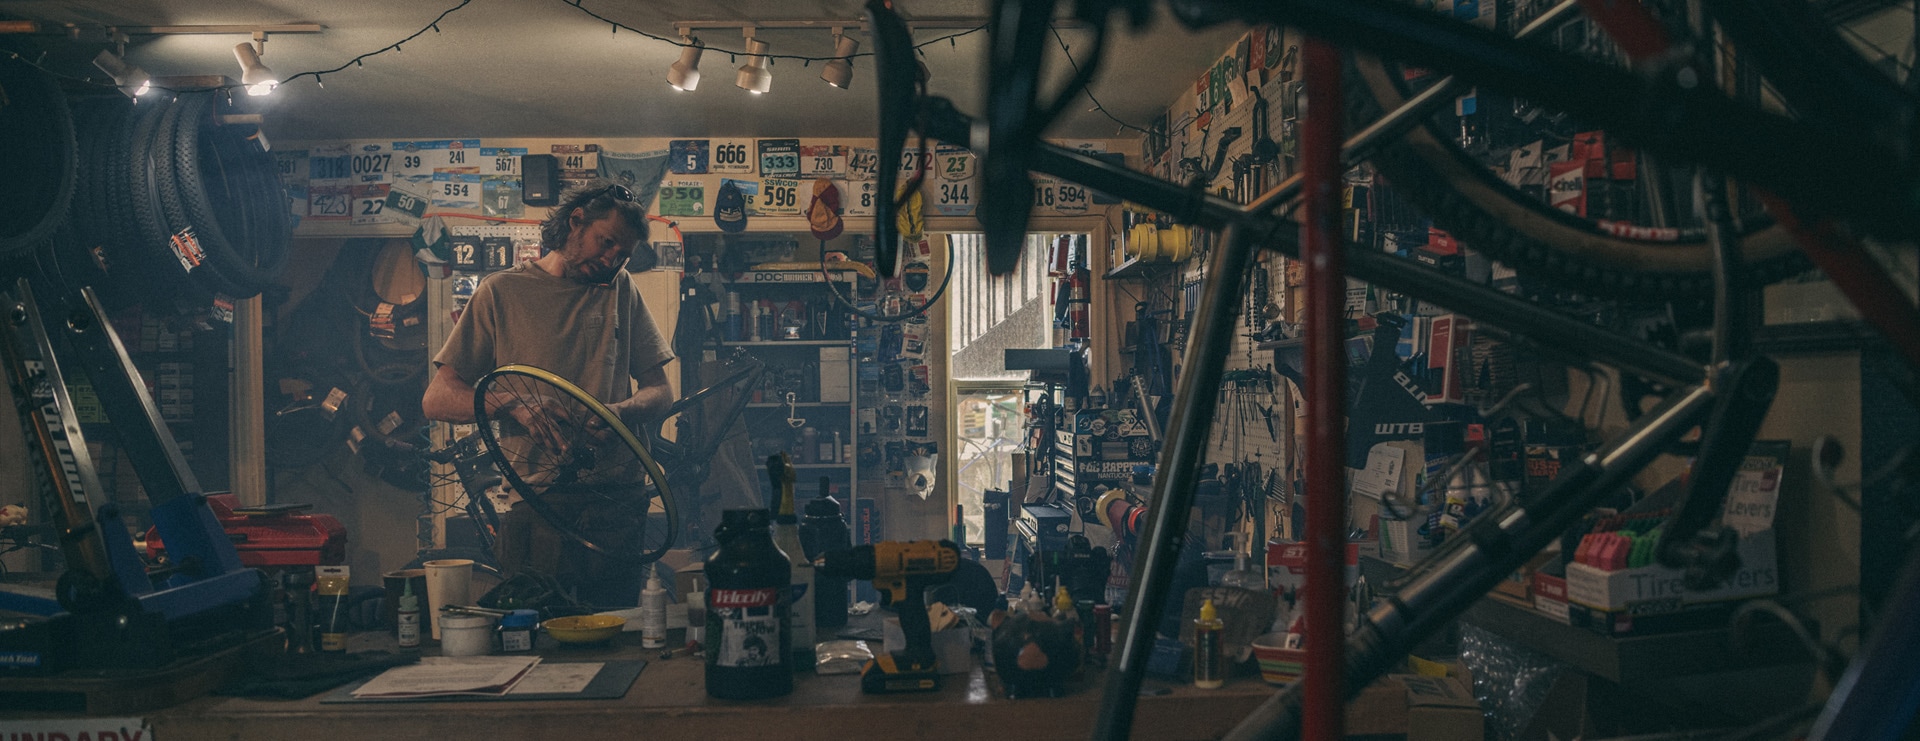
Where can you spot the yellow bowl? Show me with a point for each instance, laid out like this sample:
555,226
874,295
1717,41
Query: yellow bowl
584,628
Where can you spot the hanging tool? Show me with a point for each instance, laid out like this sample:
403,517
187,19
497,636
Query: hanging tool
902,571
1227,138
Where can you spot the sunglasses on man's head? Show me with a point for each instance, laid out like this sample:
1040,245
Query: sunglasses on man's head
617,192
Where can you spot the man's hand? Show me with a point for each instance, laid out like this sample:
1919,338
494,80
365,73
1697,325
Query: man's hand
542,422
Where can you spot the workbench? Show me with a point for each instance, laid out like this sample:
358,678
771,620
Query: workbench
669,700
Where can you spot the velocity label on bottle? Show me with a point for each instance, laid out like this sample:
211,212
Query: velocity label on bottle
745,625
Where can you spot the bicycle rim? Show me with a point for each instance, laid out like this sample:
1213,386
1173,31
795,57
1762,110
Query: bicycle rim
601,491
1601,258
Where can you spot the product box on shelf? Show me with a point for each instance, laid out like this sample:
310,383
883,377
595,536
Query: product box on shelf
1653,598
836,374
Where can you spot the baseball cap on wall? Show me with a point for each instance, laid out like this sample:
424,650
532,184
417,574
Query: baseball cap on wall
730,208
823,214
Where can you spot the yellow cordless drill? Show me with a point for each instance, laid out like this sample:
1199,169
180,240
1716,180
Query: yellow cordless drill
902,571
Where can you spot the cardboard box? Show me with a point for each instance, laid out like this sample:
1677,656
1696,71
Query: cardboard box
1550,596
1441,709
836,374
1417,708
1652,599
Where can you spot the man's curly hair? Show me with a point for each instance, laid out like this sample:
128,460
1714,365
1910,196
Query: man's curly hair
597,199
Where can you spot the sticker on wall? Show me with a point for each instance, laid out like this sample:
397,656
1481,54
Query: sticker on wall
780,158
683,198
456,188
671,255
953,198
371,163
501,161
954,163
500,196
370,204
823,160
1059,196
1070,198
577,156
914,160
862,164
406,202
687,156
417,160
292,166
329,166
779,197
329,202
860,198
297,201
732,157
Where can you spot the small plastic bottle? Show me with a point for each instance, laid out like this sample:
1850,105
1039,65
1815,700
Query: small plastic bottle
332,589
1209,665
407,618
653,611
697,612
516,630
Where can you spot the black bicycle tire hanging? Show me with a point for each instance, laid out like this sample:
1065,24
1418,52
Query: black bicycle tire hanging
247,258
37,142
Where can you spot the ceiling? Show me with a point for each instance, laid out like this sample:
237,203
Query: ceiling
506,68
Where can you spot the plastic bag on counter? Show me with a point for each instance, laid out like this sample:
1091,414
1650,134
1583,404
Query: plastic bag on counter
841,657
1509,680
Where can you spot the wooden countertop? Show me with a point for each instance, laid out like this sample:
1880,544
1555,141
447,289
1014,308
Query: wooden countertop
669,700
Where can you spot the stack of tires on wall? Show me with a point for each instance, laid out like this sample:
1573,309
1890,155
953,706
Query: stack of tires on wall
360,332
177,211
37,147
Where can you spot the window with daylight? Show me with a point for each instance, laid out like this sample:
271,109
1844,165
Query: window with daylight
988,316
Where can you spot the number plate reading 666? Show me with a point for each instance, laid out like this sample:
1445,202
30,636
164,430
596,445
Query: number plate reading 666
731,157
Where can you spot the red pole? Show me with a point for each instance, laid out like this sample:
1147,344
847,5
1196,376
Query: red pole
1326,376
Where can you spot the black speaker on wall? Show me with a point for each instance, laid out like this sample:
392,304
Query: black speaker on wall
539,179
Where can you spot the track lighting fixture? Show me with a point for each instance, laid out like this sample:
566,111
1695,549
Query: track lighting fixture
839,71
754,76
684,75
253,74
130,79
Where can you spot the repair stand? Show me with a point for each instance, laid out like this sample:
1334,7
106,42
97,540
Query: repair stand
107,609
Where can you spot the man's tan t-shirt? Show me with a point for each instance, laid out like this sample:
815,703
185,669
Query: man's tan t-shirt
597,336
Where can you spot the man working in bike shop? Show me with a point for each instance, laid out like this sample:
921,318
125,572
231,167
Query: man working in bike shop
573,312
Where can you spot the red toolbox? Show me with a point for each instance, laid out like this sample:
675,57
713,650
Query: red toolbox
272,536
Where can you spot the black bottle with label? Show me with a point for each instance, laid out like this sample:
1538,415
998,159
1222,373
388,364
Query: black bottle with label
748,628
822,530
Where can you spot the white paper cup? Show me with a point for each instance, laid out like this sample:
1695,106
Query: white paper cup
449,582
